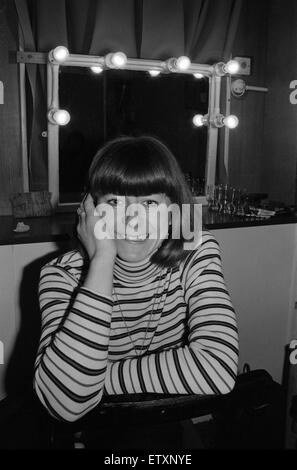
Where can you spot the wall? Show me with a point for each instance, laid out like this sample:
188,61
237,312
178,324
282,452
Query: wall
263,148
280,137
259,265
7,316
10,136
246,150
19,310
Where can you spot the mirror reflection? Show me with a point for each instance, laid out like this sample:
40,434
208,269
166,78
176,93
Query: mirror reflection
124,102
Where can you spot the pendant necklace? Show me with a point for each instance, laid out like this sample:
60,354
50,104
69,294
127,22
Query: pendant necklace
149,321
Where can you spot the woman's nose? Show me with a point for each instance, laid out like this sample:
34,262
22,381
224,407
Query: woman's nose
137,222
132,220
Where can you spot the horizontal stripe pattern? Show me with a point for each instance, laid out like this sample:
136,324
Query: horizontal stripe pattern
91,344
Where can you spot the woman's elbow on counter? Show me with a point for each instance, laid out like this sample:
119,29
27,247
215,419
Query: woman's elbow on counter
227,387
226,378
218,388
218,374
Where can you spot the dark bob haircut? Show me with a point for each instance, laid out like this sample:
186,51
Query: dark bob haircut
140,166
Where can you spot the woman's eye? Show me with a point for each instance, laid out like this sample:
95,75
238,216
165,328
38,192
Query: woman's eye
113,202
150,202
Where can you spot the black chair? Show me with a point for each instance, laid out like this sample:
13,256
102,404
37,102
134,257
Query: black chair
148,421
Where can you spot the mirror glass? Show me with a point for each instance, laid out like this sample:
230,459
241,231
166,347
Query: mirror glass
123,102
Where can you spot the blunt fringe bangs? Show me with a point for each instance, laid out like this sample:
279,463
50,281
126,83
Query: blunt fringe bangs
140,166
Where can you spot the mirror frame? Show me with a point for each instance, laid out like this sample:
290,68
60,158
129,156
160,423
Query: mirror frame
145,65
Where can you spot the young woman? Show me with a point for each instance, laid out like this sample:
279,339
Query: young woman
134,314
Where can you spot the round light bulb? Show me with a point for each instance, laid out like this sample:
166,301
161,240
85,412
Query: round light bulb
154,73
198,75
198,120
118,59
232,67
231,121
97,69
60,53
183,62
61,117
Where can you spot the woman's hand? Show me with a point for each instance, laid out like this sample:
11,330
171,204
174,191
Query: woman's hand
88,218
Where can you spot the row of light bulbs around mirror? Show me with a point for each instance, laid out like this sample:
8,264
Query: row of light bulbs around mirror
118,60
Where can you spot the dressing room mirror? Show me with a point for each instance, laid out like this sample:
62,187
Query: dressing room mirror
125,102
174,100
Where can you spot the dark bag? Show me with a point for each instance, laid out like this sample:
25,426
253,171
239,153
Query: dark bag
253,415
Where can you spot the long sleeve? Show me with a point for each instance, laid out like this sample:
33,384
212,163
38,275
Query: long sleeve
71,361
207,364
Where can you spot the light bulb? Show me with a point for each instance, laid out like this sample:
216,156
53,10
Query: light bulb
183,62
232,67
117,59
198,75
97,69
60,53
231,121
178,64
199,120
154,73
61,117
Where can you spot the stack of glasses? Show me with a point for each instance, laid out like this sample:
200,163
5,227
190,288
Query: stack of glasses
225,199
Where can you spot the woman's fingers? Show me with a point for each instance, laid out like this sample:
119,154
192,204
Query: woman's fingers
88,204
80,210
95,230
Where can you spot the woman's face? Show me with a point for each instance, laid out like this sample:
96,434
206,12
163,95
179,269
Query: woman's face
140,223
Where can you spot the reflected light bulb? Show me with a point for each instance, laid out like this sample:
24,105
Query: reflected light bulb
183,62
97,69
60,53
232,67
231,121
198,75
118,59
154,73
198,120
60,117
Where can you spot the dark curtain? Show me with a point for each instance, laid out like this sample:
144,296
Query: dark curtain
156,29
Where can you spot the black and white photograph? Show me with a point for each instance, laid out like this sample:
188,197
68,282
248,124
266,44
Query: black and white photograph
148,228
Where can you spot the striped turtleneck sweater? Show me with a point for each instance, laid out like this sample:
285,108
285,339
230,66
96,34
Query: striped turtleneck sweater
164,330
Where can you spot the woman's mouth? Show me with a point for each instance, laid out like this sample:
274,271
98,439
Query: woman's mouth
131,238
136,238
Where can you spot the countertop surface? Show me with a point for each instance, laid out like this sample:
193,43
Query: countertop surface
61,226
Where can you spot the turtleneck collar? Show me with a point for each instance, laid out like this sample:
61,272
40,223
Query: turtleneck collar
133,273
